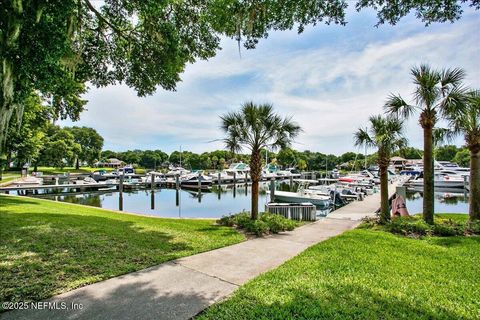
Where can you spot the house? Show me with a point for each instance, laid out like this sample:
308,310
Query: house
110,163
398,162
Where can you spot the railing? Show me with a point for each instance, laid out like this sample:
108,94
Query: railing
295,211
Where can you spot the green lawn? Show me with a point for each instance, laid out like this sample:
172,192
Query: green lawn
366,274
9,176
48,247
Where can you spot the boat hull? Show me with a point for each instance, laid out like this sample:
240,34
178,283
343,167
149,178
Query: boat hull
321,203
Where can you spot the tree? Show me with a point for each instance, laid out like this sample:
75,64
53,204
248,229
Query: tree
410,153
385,134
287,157
462,158
255,127
435,91
55,47
464,119
25,139
59,148
427,10
446,153
91,144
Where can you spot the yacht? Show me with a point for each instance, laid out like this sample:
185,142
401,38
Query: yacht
196,180
177,171
304,195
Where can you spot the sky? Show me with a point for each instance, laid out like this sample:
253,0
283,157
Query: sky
329,79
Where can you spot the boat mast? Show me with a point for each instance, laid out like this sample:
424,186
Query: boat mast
180,155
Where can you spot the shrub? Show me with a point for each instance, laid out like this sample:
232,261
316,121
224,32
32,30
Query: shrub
446,229
257,227
277,223
267,223
408,226
472,227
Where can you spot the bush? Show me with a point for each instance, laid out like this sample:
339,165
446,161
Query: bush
415,226
277,223
267,223
408,226
472,227
257,227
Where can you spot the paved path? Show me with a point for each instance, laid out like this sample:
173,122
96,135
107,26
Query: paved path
182,288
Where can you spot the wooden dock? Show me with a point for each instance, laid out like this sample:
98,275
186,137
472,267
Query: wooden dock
358,210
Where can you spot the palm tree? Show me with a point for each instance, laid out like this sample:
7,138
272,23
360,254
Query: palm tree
385,134
256,127
465,119
435,91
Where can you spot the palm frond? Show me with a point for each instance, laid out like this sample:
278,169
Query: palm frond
395,105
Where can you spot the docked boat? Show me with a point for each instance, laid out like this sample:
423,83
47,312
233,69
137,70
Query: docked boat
441,180
302,195
158,178
195,181
29,181
236,171
177,171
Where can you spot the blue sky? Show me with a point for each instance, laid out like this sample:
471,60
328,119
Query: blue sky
330,79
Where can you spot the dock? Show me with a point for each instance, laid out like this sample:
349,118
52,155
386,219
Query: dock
358,210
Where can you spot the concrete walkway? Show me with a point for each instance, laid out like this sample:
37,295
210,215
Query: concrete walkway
182,288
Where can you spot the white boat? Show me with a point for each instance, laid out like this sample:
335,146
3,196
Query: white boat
303,195
440,181
174,171
196,180
87,180
236,170
273,171
158,178
29,181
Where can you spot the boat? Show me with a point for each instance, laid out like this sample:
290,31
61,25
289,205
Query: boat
29,181
441,180
195,181
303,195
158,178
177,171
236,171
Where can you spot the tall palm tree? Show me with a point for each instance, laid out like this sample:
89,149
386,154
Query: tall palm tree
256,127
465,119
385,134
435,91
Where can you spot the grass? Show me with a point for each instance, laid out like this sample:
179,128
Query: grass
48,247
9,176
366,274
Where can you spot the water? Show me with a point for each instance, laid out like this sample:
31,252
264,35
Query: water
446,201
174,203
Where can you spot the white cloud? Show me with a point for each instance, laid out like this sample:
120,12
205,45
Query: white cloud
330,90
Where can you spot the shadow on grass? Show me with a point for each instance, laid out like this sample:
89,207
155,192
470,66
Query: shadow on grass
135,297
14,201
337,302
47,253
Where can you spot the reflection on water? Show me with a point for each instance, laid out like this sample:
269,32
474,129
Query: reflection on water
446,201
212,203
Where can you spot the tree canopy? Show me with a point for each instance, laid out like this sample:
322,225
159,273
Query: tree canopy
54,48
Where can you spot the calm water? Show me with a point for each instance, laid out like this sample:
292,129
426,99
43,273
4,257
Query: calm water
446,201
173,203
224,201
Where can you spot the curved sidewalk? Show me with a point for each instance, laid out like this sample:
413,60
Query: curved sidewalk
182,288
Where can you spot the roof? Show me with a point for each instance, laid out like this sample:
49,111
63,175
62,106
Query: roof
397,159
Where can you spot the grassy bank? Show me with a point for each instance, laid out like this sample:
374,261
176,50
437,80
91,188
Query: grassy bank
47,247
366,274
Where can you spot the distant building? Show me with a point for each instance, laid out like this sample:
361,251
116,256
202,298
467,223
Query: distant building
110,163
398,162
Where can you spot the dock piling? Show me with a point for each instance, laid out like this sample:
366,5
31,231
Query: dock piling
272,190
